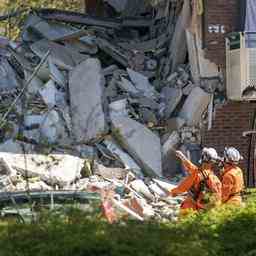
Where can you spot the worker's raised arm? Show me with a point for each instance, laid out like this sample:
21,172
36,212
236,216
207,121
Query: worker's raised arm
184,186
188,165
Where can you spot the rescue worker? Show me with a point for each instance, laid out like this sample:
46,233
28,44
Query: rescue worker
232,177
202,185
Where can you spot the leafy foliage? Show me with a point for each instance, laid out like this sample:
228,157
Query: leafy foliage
11,27
223,231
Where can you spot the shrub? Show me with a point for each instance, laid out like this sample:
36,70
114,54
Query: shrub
223,231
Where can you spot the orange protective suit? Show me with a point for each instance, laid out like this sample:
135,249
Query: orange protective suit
193,182
232,185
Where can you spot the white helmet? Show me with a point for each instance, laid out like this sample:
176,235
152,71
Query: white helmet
209,155
232,155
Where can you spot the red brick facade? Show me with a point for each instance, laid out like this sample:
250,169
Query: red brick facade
231,120
220,17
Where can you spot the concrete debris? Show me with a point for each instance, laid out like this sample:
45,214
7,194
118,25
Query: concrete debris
52,128
11,147
170,165
108,108
140,187
178,45
128,162
188,89
49,93
169,145
118,108
109,70
8,78
56,74
36,83
52,169
51,31
86,93
142,84
110,173
157,190
60,55
171,98
127,86
142,144
194,106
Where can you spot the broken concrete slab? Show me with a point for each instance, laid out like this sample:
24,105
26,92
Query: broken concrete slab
35,85
33,186
86,152
52,129
55,74
167,186
188,89
75,54
193,56
44,72
118,108
11,147
128,162
110,173
127,86
142,84
61,56
53,169
81,47
33,120
148,103
178,45
32,124
171,142
89,40
194,106
109,70
8,79
170,164
172,98
52,31
140,187
157,190
86,92
142,144
48,93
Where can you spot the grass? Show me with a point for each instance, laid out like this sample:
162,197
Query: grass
223,231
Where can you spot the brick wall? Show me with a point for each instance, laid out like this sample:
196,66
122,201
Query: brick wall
223,14
230,121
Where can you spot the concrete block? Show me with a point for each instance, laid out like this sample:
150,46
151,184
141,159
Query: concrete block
194,106
86,92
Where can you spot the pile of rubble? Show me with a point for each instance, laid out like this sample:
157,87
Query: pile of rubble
101,102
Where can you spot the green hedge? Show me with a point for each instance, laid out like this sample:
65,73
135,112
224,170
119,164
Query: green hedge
219,232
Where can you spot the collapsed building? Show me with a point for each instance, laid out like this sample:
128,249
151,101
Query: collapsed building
95,103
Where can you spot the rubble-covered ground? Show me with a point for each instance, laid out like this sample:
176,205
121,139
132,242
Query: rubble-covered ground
100,105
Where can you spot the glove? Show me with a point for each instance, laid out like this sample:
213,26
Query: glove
180,155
